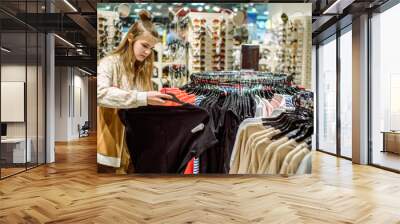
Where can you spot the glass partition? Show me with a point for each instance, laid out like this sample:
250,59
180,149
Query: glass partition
327,96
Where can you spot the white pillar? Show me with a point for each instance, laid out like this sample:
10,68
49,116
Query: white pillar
360,89
50,93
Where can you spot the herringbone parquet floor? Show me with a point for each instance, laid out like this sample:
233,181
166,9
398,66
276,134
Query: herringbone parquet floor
71,191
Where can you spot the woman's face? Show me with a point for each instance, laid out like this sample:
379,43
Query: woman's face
142,49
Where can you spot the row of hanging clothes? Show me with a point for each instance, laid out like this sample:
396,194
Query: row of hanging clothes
236,99
208,125
278,144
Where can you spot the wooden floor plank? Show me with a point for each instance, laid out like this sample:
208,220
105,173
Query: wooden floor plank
71,191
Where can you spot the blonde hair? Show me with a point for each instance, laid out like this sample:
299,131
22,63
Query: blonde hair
139,73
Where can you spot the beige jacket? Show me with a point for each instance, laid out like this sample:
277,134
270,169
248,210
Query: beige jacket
289,157
243,136
279,155
114,91
296,159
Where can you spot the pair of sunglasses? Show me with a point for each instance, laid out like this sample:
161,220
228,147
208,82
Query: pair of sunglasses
199,21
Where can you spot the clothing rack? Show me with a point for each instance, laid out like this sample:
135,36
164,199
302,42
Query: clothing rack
238,77
264,84
230,97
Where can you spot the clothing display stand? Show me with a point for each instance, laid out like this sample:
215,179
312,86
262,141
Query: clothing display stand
231,97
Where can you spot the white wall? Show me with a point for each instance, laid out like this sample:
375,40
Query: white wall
33,127
71,93
61,103
13,73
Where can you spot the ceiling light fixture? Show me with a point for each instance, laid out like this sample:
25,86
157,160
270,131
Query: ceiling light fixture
200,9
64,40
86,72
70,5
216,8
5,49
338,6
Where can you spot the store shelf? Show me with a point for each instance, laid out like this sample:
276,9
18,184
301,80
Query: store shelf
173,63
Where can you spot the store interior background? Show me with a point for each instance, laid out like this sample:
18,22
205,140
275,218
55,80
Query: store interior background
208,38
58,77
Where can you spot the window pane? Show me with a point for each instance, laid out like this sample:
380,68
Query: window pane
346,94
14,153
385,86
327,97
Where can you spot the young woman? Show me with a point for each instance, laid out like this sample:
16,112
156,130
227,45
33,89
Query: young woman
124,81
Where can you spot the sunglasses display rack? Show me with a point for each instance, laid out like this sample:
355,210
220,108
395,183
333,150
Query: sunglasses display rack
305,78
109,32
170,68
210,37
290,50
157,69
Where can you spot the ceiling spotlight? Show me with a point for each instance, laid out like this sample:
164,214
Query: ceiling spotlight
5,49
149,8
207,7
170,8
108,7
335,8
185,8
86,72
235,9
65,41
200,9
70,5
216,8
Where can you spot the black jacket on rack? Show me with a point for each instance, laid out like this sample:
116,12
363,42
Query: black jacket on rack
163,139
226,116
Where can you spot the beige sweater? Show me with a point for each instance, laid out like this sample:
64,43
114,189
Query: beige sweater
267,155
247,150
114,91
242,141
297,158
289,157
279,156
258,150
113,87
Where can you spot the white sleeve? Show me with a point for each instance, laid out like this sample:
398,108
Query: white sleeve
110,96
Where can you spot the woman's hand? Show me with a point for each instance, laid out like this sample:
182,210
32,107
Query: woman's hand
156,98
